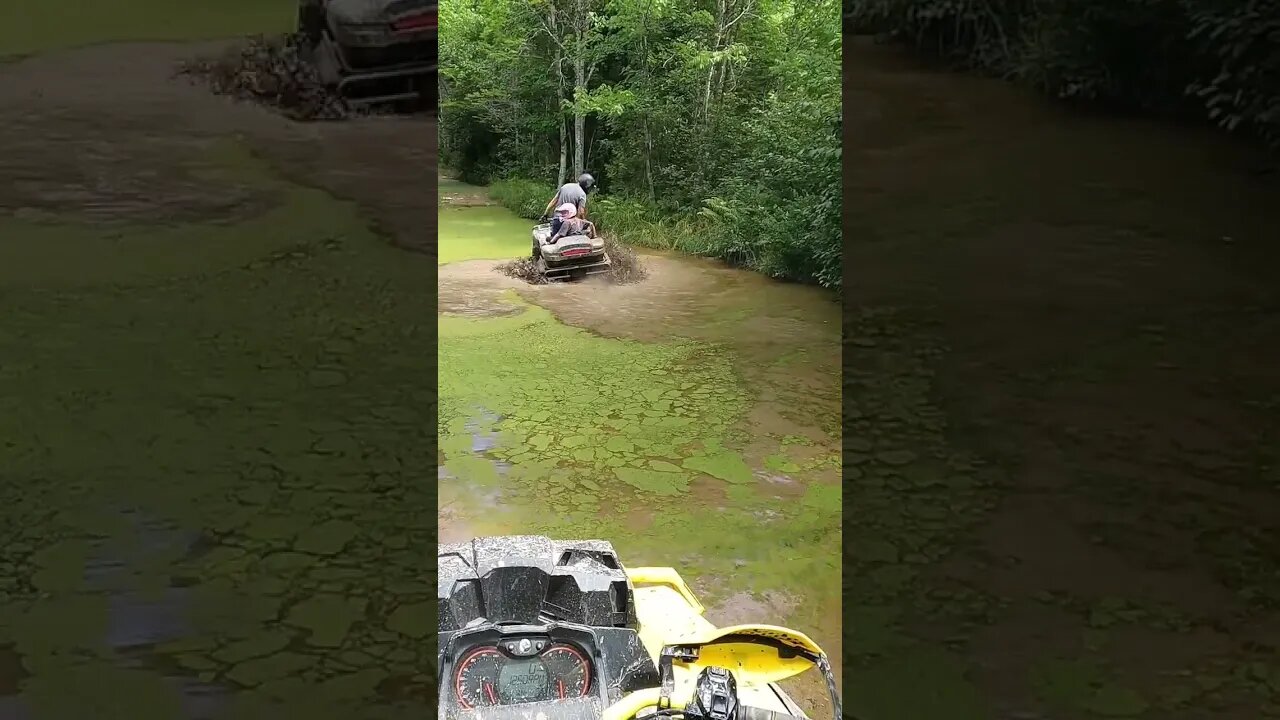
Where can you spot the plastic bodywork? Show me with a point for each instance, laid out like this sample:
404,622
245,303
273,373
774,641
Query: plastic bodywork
568,256
575,591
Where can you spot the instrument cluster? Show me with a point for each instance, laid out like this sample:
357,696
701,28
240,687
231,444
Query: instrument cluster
521,670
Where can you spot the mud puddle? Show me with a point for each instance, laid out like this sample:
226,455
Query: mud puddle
648,412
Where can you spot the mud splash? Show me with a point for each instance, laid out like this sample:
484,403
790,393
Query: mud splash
270,71
625,267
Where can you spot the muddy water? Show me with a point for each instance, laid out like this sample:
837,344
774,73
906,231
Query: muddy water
1061,366
691,419
216,483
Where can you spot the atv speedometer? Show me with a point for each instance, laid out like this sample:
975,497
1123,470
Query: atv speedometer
570,671
476,683
519,671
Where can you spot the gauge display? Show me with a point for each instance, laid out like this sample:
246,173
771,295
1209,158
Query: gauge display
488,676
522,681
477,678
570,670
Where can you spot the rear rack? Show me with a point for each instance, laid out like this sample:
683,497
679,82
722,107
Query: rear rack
406,83
558,274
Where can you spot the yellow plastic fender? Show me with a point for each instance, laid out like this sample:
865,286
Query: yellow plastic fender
670,614
752,652
668,577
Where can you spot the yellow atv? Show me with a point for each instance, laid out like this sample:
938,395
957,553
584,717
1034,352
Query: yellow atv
534,629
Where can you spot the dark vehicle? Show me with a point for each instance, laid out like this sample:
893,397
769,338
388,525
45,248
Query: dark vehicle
373,51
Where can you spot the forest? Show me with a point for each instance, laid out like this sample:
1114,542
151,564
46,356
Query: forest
711,126
1210,60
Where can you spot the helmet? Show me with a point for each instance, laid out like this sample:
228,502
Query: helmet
567,210
586,181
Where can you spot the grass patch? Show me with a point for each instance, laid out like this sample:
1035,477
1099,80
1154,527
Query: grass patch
526,198
30,27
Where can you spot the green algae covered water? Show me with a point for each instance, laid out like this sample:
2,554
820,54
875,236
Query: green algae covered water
692,420
216,459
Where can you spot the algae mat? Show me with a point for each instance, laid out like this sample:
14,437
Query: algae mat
217,456
561,415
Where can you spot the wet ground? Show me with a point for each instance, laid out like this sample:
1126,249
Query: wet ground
692,419
1064,400
216,401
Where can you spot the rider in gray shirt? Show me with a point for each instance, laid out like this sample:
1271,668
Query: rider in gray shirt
574,193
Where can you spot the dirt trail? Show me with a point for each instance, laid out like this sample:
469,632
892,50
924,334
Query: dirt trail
1089,305
212,398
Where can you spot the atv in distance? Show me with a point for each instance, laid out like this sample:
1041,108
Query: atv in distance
568,257
372,51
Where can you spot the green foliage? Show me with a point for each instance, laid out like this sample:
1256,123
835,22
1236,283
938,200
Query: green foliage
712,126
1241,83
1217,58
526,198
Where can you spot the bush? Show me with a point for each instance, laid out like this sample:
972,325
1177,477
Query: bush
526,198
1239,82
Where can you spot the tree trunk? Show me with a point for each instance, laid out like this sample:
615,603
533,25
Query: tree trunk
711,71
559,61
648,161
564,154
714,86
706,94
579,118
648,89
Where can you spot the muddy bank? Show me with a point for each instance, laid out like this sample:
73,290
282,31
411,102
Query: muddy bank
1064,479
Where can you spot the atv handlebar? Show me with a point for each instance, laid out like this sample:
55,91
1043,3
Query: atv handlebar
633,704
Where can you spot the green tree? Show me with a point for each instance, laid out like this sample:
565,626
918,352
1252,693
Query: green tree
717,121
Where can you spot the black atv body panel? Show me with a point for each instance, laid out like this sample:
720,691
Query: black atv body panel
531,586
